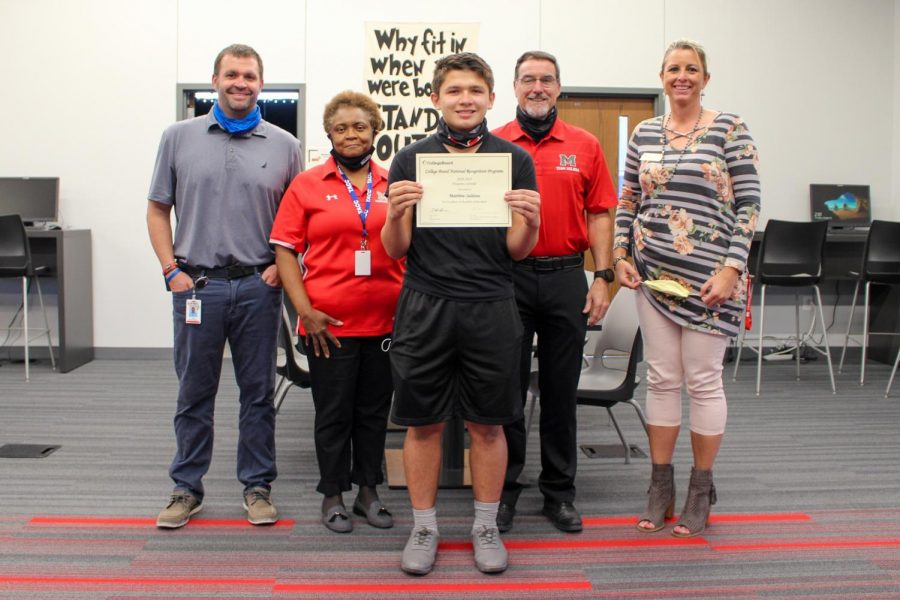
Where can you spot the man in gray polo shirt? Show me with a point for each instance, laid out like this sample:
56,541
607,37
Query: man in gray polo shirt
225,174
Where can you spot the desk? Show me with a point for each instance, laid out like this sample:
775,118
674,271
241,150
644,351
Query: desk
67,255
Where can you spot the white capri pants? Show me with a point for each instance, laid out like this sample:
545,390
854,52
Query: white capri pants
679,356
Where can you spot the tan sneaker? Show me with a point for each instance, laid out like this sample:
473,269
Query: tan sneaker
259,507
179,510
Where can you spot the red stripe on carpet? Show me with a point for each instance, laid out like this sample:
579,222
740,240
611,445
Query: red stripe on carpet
726,518
131,582
142,522
415,587
823,544
513,544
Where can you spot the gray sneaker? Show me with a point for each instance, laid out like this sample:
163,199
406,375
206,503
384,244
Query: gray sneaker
420,550
178,511
490,553
259,507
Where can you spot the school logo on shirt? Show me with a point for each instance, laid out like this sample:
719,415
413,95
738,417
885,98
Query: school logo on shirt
330,197
567,162
381,197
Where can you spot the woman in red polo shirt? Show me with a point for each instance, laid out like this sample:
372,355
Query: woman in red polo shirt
332,215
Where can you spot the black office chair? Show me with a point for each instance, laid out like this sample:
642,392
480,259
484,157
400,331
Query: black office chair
880,265
791,255
291,363
15,261
613,353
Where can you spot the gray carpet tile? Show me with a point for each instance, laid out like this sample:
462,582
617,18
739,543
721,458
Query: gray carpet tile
808,481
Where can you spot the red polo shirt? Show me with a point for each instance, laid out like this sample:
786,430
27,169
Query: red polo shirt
572,178
317,218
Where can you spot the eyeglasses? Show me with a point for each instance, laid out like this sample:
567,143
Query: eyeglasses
546,80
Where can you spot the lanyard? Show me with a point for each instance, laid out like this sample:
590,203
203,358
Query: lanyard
363,214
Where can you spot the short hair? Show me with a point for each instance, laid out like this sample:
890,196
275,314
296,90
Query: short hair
240,51
685,44
464,61
536,55
355,100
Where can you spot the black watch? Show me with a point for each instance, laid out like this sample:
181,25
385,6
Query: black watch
606,275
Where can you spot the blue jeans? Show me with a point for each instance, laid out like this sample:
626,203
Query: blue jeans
245,312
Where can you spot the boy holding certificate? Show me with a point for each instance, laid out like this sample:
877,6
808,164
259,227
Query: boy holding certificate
457,332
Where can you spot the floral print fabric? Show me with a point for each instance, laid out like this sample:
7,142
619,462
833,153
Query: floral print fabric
685,217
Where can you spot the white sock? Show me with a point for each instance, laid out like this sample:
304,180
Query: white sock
485,514
426,518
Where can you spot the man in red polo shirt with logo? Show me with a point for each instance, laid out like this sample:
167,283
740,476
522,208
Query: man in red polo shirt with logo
552,294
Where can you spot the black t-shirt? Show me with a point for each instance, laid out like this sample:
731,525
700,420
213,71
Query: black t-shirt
461,263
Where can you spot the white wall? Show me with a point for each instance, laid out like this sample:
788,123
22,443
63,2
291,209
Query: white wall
895,197
91,85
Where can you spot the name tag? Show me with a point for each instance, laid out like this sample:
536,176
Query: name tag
192,311
363,263
651,157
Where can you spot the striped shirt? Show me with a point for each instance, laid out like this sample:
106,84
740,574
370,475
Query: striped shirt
689,224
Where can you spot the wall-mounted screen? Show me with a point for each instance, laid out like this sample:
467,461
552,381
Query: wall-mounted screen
36,199
844,206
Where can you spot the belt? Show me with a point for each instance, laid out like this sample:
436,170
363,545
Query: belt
552,263
232,272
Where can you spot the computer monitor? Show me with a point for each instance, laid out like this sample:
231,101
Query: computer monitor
36,199
844,206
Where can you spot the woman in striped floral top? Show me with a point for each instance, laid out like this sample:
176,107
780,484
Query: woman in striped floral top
687,213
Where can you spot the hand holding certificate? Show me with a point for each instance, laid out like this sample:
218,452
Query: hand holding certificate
464,190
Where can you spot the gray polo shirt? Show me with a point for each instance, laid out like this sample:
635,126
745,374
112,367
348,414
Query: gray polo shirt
225,188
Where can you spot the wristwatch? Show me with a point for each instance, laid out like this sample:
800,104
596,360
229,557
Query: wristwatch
606,275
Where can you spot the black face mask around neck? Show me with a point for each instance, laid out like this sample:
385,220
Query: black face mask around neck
353,163
460,139
537,129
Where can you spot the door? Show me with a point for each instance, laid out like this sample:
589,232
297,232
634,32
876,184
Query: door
600,116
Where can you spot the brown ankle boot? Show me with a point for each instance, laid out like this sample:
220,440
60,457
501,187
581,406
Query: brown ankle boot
701,496
661,504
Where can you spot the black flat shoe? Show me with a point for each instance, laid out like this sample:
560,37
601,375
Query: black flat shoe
377,515
563,515
505,514
337,519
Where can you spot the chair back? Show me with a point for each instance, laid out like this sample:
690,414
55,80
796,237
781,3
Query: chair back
15,253
616,351
294,366
792,253
881,262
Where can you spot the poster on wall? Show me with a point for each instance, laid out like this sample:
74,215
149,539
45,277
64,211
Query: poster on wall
399,64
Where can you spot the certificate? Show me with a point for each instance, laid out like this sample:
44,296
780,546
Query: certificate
464,190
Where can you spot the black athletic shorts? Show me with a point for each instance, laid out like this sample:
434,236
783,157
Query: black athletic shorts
452,358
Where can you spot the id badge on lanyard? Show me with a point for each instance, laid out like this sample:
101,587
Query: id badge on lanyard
362,264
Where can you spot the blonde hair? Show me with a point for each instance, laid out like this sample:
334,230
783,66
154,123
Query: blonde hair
685,44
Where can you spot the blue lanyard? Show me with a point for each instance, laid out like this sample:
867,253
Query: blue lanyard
362,213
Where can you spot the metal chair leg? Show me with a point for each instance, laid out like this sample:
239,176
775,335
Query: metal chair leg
797,333
762,320
849,324
625,445
281,391
825,337
865,342
639,411
893,372
46,322
25,324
